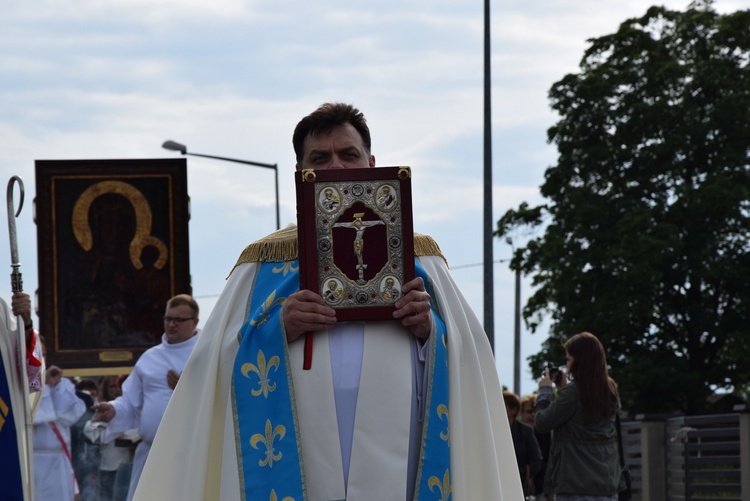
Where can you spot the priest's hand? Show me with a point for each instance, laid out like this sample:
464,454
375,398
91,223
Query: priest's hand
21,305
103,411
306,311
414,308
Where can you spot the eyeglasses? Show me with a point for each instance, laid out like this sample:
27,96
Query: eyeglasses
176,320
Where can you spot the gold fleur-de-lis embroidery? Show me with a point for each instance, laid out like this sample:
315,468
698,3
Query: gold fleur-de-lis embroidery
266,308
274,498
285,268
444,487
267,440
442,410
4,411
262,370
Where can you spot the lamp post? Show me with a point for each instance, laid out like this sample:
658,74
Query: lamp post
489,280
175,146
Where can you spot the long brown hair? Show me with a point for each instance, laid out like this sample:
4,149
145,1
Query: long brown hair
589,370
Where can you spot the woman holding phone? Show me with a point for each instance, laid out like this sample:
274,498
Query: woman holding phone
583,459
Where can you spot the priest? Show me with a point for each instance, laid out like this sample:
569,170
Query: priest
408,408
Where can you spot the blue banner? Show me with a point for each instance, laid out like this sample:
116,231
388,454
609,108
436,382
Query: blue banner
11,486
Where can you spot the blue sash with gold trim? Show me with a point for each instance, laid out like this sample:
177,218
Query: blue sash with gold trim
433,478
269,455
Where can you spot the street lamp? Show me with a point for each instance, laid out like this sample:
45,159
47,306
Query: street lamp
489,280
175,146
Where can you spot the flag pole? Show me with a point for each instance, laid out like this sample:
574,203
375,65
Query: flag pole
17,286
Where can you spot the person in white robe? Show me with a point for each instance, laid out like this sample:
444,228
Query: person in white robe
149,387
58,410
408,408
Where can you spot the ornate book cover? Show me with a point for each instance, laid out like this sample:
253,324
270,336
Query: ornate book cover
356,238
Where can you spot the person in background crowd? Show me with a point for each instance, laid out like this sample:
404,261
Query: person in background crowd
112,455
528,417
528,455
583,459
147,390
88,386
85,453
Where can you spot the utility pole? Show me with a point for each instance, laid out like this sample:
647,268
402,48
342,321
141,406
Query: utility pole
517,338
516,326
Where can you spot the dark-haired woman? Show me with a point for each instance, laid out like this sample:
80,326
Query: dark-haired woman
583,459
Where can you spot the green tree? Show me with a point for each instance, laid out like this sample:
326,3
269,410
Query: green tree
645,236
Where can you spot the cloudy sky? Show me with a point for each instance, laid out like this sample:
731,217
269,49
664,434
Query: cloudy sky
99,79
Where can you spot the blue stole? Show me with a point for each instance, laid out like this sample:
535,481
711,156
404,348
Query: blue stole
10,461
263,402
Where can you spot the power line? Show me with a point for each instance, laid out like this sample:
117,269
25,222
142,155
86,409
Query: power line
478,264
210,296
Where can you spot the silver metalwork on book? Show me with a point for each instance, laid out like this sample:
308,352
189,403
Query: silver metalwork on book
383,198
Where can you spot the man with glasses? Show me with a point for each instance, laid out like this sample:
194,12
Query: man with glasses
147,390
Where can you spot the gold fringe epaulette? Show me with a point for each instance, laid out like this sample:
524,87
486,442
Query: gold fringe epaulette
425,245
281,246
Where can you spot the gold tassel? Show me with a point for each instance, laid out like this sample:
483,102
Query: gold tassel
279,246
425,245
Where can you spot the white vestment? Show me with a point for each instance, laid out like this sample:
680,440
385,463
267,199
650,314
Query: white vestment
59,408
145,395
196,456
12,365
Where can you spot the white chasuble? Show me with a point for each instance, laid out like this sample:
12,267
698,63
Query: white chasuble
380,445
195,457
